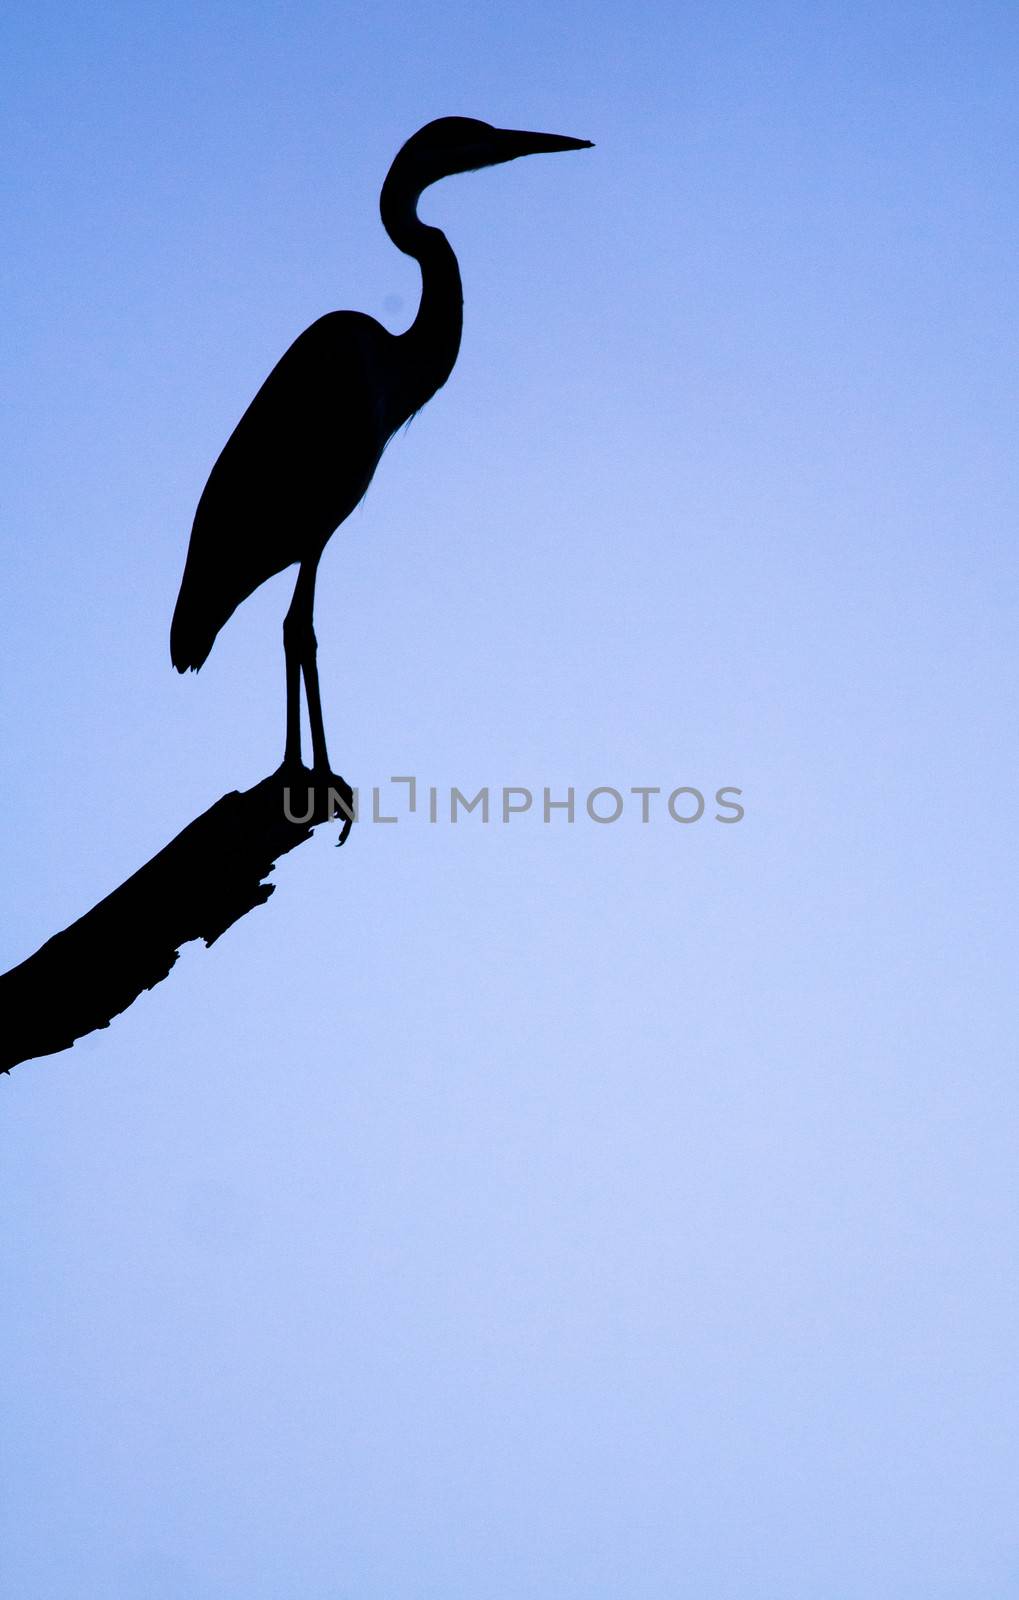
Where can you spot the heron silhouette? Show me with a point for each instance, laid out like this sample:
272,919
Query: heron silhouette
303,454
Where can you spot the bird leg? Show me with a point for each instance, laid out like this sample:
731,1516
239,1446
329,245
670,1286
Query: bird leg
319,753
292,654
292,749
300,649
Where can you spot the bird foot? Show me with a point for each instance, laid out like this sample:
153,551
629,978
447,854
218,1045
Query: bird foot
317,794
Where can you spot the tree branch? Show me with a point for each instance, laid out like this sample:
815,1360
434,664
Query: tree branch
202,882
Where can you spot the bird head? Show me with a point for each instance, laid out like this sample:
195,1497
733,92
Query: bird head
460,144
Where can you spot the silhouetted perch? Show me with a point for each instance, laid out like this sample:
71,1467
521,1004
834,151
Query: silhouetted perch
202,882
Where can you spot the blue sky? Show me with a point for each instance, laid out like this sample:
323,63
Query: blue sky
579,1212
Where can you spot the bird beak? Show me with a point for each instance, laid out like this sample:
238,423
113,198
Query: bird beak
512,143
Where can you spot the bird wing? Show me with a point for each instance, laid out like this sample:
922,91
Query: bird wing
294,467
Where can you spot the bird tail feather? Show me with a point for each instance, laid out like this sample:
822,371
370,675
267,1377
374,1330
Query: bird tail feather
191,635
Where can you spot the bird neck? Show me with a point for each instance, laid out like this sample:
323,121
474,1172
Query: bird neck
432,341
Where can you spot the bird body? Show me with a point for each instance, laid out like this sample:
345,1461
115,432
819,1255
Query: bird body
306,449
294,468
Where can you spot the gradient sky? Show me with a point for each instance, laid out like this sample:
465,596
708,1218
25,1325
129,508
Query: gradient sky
574,1213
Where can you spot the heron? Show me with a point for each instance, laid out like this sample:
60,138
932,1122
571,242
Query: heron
304,452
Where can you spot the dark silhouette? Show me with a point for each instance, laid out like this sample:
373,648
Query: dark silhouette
207,878
296,465
306,449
